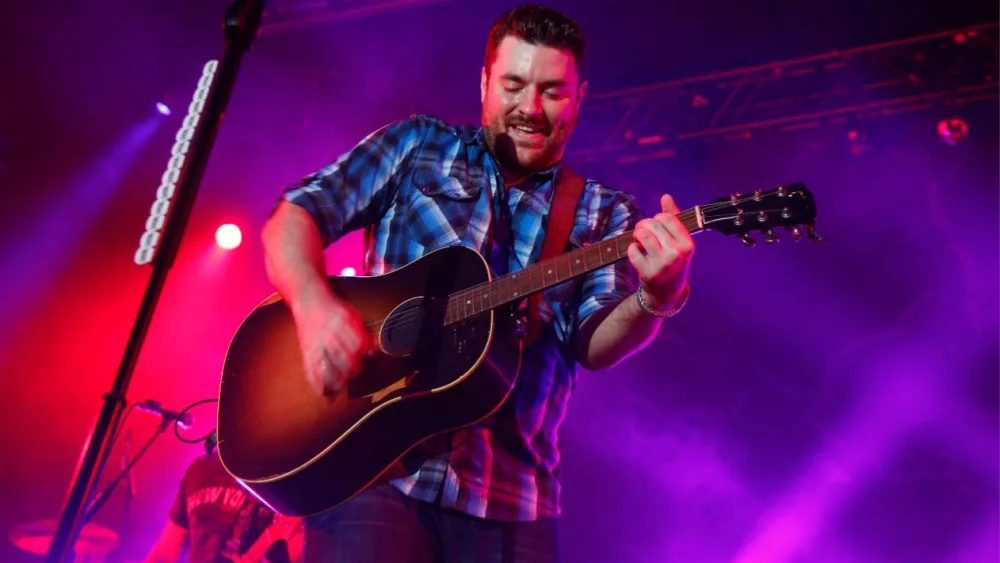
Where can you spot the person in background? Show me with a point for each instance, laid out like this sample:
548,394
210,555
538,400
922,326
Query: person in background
214,520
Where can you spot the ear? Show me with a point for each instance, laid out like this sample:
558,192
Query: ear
581,92
482,86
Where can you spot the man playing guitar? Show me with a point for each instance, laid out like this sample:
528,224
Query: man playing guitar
490,492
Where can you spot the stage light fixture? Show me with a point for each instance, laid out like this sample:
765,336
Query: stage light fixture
952,130
228,236
168,182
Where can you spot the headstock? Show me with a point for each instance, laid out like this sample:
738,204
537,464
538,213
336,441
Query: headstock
791,206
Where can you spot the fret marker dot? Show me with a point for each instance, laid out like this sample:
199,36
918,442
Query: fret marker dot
469,302
515,294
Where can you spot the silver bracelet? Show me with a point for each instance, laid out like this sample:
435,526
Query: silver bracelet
645,306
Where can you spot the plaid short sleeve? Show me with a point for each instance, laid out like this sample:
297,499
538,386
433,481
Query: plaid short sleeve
612,283
358,188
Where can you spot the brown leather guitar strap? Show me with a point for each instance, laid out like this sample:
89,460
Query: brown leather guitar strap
562,212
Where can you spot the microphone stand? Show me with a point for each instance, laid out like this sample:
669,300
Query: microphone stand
125,472
127,461
241,25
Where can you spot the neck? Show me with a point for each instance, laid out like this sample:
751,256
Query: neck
511,179
514,175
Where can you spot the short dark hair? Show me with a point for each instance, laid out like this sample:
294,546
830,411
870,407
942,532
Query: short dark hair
539,26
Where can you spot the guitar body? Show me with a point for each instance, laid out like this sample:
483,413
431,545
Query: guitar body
301,452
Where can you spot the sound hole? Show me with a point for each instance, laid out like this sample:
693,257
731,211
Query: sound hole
410,326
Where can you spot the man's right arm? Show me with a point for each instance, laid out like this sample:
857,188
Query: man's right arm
293,256
332,337
351,193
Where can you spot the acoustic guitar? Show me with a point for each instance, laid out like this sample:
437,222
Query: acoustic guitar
448,356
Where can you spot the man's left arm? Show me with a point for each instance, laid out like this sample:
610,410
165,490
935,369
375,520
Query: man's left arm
619,327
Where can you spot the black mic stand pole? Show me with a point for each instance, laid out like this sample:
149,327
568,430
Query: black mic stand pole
241,24
125,529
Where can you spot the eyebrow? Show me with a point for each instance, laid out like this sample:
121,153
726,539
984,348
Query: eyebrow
544,85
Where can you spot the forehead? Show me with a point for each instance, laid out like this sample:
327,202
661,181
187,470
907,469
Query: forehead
534,63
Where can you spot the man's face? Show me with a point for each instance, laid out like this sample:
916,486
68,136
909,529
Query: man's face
531,97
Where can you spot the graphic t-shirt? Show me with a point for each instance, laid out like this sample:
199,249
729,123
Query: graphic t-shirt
222,519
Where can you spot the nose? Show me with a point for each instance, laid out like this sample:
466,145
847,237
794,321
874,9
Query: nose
531,102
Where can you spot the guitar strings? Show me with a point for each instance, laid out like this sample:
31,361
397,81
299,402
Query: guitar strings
412,316
454,299
686,214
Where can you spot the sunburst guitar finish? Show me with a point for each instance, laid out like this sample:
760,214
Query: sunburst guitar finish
301,452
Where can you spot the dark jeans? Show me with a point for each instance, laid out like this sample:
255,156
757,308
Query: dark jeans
381,525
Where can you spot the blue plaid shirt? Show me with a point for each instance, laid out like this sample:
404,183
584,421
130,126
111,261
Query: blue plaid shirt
421,184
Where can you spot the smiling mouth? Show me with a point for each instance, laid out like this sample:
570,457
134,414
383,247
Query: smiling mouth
528,129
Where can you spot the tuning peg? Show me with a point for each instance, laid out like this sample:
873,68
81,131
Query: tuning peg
796,233
812,234
748,240
770,237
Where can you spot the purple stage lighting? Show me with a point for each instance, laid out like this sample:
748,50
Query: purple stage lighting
162,108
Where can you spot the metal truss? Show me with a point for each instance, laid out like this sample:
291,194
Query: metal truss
287,15
946,68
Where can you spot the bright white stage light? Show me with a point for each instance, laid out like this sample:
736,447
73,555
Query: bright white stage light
228,236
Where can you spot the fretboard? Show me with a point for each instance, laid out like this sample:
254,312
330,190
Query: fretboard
547,273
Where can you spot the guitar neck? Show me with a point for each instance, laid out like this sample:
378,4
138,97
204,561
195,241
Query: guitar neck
257,551
515,286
